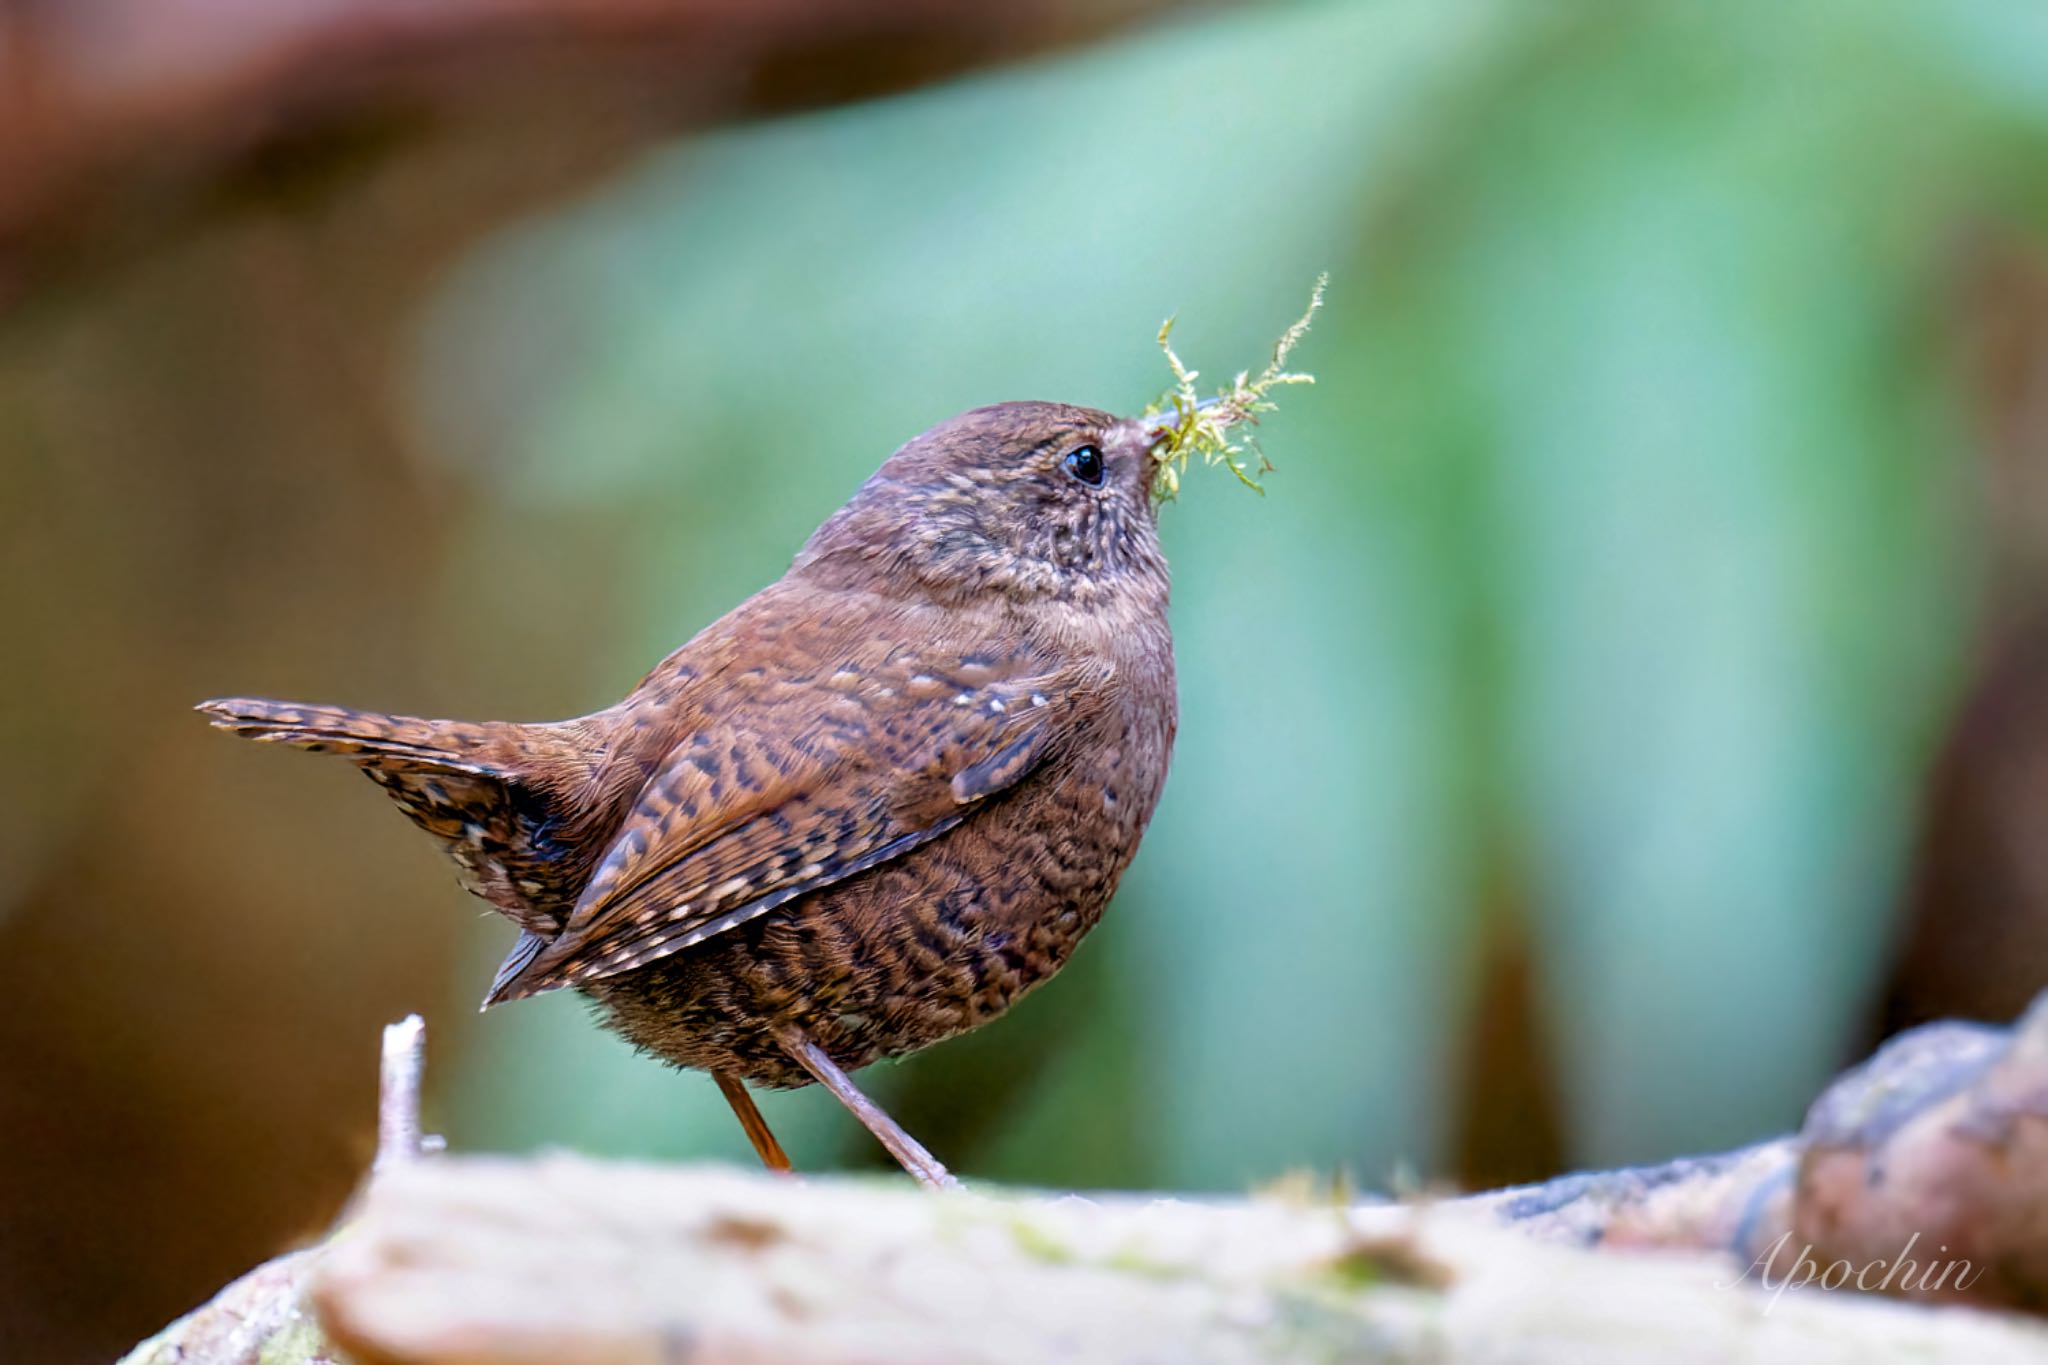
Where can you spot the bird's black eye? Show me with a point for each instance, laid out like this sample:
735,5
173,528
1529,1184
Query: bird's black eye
1085,464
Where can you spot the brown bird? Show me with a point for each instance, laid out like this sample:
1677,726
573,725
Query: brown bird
865,811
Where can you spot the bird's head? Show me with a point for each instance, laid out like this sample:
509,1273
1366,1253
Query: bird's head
1027,500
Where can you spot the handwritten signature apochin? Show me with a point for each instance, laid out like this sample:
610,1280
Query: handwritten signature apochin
1901,1274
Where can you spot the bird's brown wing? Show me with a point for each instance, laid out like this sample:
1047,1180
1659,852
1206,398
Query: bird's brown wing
784,795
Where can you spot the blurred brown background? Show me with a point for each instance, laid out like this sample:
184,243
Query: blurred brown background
1627,707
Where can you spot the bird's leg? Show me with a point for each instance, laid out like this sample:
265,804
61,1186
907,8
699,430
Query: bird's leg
908,1151
765,1146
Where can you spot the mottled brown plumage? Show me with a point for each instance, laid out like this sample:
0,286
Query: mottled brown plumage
865,811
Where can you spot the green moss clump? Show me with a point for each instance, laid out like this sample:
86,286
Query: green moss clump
1213,428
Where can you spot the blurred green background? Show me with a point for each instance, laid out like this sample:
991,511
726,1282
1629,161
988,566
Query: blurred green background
1626,706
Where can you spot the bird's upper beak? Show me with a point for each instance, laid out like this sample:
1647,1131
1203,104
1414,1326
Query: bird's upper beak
1133,445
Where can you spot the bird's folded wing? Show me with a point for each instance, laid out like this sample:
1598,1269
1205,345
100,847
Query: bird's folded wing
771,802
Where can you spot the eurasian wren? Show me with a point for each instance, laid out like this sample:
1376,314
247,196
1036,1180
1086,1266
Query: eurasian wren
868,809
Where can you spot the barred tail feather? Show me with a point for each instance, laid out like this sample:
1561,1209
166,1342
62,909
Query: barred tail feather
453,746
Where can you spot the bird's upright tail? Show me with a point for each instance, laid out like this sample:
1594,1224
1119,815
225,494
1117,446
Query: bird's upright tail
493,793
369,737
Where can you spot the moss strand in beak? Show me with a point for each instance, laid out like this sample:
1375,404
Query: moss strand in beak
1191,425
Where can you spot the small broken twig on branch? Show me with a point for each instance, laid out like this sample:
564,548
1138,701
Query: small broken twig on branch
398,1092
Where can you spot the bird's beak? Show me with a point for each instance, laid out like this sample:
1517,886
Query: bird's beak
1137,439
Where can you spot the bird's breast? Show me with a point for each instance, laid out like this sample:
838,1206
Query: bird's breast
931,944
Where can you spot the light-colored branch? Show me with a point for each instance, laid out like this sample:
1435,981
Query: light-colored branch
566,1259
1936,1149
